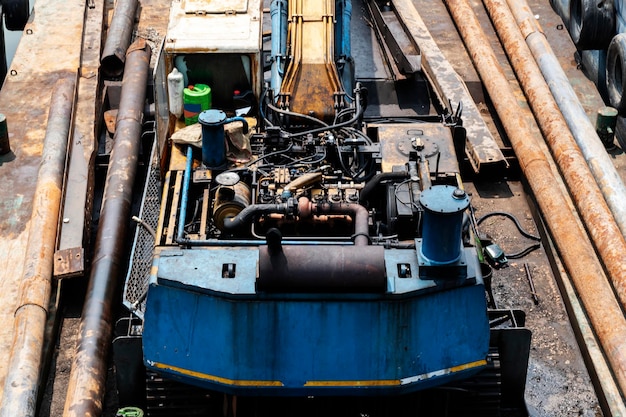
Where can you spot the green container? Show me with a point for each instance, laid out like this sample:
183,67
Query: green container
197,98
129,412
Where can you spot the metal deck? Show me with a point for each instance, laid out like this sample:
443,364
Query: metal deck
48,51
51,49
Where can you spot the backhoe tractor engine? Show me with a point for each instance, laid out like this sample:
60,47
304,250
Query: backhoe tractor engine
309,240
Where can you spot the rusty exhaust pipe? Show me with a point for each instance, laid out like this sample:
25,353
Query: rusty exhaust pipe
118,38
24,369
88,375
574,246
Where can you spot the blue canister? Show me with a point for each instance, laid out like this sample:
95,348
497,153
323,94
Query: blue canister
213,144
443,221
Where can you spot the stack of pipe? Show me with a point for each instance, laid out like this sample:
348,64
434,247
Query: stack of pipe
572,242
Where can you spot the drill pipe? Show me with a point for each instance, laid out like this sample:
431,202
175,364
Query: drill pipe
573,244
88,375
585,192
581,127
22,381
118,38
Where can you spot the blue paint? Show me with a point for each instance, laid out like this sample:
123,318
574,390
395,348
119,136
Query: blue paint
311,337
443,220
213,146
278,13
185,194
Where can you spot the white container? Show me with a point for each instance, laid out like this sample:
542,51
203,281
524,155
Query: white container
175,87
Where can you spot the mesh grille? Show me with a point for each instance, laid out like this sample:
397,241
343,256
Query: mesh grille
141,257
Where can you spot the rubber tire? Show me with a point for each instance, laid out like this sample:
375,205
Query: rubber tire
16,13
620,132
616,72
591,23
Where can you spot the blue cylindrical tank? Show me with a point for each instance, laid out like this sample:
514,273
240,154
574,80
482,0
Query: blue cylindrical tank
443,220
213,145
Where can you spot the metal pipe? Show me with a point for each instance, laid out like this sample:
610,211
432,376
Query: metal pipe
353,269
88,375
586,194
118,38
581,127
24,368
278,13
575,249
185,194
359,214
247,215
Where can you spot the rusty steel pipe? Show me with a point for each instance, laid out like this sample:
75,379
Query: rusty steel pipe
598,219
582,129
24,369
118,38
359,214
574,247
88,374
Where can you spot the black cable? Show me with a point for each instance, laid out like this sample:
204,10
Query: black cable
513,218
524,252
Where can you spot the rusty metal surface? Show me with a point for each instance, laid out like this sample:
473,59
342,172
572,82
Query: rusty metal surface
327,268
575,249
590,203
88,374
311,81
118,37
79,185
481,148
47,51
582,129
22,380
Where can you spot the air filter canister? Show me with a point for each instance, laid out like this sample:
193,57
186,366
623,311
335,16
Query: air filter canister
443,221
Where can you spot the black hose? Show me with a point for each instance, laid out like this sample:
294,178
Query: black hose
514,219
248,214
377,179
524,252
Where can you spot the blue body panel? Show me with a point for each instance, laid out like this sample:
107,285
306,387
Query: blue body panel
219,334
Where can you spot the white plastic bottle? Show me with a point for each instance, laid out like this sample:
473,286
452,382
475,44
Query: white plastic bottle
175,88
